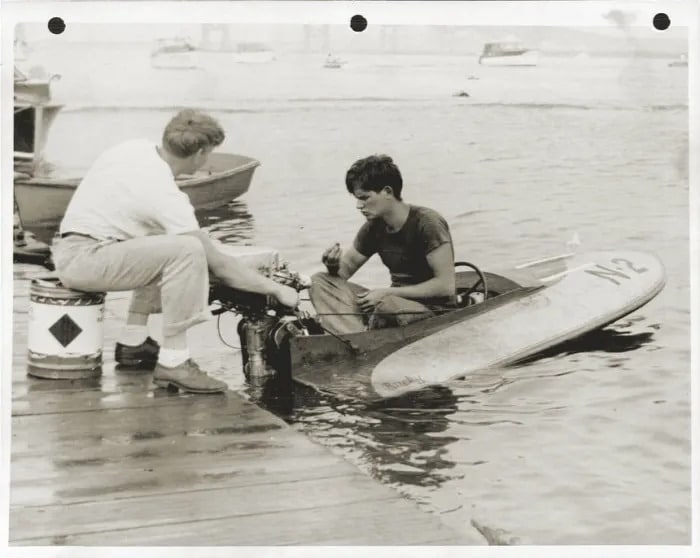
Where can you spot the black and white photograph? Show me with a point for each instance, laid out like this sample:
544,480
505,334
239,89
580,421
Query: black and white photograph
366,275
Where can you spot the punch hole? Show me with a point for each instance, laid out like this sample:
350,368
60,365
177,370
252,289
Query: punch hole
358,23
661,22
56,25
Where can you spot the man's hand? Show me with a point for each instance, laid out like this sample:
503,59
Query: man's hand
331,258
287,296
368,300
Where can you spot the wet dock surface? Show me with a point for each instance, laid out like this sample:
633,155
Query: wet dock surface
116,461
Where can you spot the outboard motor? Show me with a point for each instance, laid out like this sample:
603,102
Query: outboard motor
254,334
264,344
265,327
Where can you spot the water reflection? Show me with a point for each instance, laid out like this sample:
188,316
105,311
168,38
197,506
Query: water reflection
397,440
409,425
406,440
276,394
231,223
37,385
609,340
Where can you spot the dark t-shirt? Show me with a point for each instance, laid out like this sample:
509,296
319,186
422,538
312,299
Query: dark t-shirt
404,252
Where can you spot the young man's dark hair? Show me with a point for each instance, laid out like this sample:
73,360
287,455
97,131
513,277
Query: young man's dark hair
374,173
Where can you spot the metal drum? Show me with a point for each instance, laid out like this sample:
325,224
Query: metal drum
66,331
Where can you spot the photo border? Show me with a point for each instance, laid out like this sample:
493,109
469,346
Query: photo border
583,13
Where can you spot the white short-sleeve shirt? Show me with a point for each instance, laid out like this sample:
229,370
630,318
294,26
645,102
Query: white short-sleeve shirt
129,192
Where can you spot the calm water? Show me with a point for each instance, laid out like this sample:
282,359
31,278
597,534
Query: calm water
587,445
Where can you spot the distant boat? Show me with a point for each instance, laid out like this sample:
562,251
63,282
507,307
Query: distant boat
681,62
34,112
42,200
333,62
510,53
176,53
240,53
253,53
21,50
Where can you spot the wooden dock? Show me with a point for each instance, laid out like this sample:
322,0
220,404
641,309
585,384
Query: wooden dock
116,462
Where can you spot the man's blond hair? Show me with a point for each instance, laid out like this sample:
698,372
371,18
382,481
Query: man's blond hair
191,130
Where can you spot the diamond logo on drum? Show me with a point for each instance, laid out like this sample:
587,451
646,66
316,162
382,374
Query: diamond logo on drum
65,330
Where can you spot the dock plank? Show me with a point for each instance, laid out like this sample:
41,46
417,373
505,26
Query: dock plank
160,478
351,524
192,505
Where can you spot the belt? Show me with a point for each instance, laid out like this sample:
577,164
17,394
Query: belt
67,234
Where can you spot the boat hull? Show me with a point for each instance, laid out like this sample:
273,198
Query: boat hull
579,294
42,202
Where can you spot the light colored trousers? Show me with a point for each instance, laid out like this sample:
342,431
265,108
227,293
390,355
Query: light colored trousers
335,300
168,274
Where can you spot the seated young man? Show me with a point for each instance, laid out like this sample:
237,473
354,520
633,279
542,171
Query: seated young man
413,242
129,227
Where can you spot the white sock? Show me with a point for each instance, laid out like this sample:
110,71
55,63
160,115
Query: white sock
172,357
133,335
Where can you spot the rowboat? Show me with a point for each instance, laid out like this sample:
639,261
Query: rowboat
526,309
42,200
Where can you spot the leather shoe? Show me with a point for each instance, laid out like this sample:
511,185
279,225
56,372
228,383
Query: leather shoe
144,355
187,376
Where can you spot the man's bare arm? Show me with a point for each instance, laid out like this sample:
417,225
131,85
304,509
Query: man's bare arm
239,276
441,284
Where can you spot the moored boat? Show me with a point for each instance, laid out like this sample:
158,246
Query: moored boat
21,50
236,53
508,53
681,62
34,112
177,53
333,62
42,200
252,53
527,309
217,46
